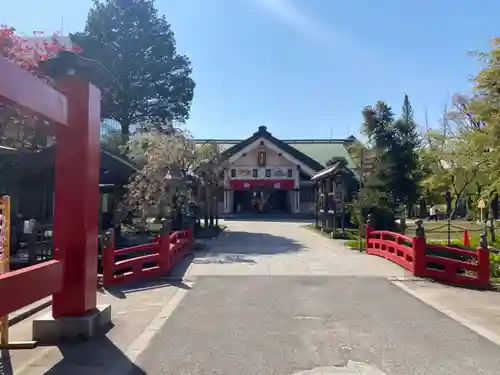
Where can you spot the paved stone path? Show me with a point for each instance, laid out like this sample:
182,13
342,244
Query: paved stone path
135,311
330,311
284,248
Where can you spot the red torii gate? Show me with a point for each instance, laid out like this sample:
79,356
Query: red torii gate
74,109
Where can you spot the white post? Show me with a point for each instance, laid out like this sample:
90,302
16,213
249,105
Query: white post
297,198
227,192
296,195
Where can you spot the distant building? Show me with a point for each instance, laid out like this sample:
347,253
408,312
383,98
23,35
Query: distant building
274,175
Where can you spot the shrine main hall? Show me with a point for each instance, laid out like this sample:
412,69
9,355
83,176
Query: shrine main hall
267,174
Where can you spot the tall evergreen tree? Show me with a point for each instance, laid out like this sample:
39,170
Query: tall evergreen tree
395,178
406,177
377,126
138,47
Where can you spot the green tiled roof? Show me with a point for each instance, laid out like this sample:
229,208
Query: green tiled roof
320,150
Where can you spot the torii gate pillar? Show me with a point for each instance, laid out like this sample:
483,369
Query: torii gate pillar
76,213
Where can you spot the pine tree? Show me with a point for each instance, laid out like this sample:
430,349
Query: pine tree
395,177
406,174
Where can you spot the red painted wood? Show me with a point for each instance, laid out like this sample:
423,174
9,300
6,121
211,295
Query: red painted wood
167,251
455,279
419,248
483,263
144,247
77,199
255,184
393,246
24,90
23,287
140,260
389,245
451,266
455,250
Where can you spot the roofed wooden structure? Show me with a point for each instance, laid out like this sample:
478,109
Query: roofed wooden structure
333,189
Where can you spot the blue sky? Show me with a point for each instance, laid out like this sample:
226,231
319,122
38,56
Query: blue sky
306,68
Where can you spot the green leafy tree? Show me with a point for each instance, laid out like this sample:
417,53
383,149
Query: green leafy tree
451,164
395,172
374,196
485,109
138,47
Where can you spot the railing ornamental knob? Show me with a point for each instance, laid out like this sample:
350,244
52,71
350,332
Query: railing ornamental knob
419,231
483,242
369,219
402,224
108,240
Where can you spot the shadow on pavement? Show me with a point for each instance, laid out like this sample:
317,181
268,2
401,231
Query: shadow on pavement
91,356
270,218
251,243
174,278
96,356
5,363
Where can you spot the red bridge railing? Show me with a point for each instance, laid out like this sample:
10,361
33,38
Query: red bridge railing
153,260
392,246
451,265
457,266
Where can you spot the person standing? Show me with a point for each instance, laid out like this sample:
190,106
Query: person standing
433,213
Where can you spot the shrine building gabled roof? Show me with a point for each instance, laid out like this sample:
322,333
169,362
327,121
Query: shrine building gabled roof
313,153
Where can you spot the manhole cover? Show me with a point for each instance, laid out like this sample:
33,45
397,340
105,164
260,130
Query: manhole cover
352,368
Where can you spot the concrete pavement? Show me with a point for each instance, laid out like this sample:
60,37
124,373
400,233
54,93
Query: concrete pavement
138,312
275,298
268,325
284,248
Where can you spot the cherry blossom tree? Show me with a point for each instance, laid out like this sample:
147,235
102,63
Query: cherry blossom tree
161,186
18,130
209,167
171,167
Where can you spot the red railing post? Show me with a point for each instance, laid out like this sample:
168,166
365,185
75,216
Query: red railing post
483,262
419,248
173,248
190,236
164,250
108,258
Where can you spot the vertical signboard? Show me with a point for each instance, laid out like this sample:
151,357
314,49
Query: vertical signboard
4,258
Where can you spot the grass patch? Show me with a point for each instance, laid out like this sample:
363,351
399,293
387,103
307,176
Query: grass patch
347,234
439,231
355,243
495,280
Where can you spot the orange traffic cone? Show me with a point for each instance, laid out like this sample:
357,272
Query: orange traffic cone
466,239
